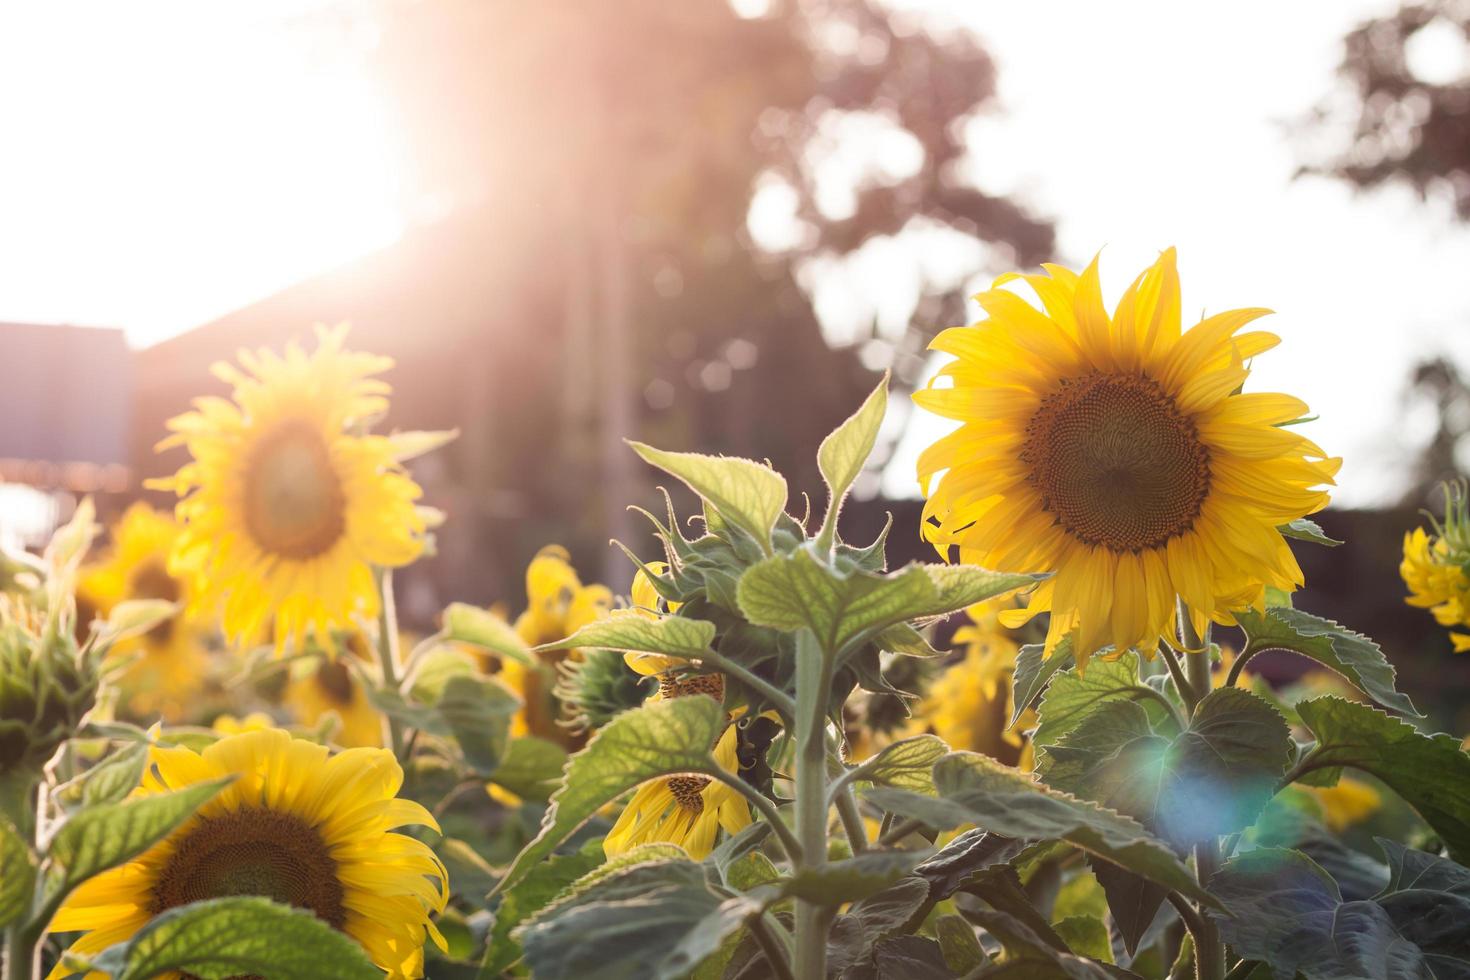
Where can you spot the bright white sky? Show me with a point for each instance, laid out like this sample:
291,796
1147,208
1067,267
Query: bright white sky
166,161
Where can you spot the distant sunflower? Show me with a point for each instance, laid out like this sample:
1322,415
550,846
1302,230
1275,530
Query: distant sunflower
969,705
167,664
286,508
322,685
295,826
557,605
1118,453
686,810
1434,566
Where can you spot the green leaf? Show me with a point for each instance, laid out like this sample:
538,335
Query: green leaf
1001,888
854,878
967,855
531,767
1034,670
1028,956
1212,779
17,875
478,711
629,630
959,945
107,835
1428,900
658,739
109,780
796,591
465,623
747,494
1133,901
1086,935
134,617
1431,772
843,453
1288,913
906,764
1350,654
656,919
1075,695
1013,804
1305,529
530,895
232,937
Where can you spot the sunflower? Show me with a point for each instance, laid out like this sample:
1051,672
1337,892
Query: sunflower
557,605
1118,453
295,826
969,705
322,685
1434,567
256,721
164,665
685,810
286,508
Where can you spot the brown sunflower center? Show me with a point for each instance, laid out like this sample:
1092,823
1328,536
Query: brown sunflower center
335,682
252,852
687,789
1116,462
152,581
294,504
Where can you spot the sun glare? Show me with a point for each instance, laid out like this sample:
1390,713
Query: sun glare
184,158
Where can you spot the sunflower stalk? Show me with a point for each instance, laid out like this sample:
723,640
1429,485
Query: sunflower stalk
388,652
813,670
1209,950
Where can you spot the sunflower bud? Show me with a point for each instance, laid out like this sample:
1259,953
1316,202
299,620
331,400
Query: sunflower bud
47,685
597,688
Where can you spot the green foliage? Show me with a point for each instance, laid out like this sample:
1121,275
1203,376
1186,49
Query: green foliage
1211,779
464,623
233,937
844,606
657,739
905,764
853,878
1029,956
1306,529
1350,654
106,835
1287,911
675,636
1034,671
17,874
528,896
531,768
478,711
842,455
107,782
1075,695
656,919
743,493
1431,772
1013,804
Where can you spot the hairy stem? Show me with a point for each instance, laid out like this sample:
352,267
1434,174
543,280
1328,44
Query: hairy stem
1209,951
388,651
778,698
767,809
812,672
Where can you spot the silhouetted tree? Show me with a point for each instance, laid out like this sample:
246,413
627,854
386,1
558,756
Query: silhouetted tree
618,145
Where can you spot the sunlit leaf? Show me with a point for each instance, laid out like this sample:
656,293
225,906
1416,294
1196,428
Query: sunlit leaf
843,453
629,630
747,494
465,623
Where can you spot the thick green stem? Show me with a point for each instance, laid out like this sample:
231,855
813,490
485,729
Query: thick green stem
19,956
388,652
1209,951
811,799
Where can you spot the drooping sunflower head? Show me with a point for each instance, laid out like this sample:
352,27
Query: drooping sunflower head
296,826
287,505
167,664
686,810
1118,452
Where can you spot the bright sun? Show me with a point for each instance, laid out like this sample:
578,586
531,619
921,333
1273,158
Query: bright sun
182,159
